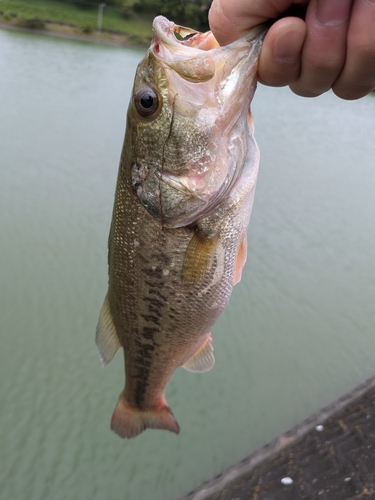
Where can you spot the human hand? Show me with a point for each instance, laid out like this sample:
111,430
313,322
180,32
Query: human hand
333,47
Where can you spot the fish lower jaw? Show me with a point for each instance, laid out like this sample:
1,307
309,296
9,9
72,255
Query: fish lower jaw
128,421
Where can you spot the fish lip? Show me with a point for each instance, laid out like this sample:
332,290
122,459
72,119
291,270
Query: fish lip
164,32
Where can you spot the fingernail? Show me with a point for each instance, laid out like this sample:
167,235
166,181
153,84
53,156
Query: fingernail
332,12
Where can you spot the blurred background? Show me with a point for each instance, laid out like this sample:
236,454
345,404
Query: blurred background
118,21
299,329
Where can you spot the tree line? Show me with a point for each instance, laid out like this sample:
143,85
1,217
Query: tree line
191,13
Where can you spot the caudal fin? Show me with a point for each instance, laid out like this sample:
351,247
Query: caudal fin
128,421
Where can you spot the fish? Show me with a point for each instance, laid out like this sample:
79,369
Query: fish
184,195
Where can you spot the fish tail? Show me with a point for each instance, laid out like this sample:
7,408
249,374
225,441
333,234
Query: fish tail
128,421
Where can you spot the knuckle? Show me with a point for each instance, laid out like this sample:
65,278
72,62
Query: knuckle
364,50
275,76
351,90
305,91
326,62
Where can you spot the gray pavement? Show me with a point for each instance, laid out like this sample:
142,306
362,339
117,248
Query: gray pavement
330,456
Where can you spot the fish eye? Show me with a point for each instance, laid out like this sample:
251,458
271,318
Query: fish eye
146,101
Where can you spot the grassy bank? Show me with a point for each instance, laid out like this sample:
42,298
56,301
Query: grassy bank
119,25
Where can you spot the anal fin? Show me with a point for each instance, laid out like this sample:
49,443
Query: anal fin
203,359
106,338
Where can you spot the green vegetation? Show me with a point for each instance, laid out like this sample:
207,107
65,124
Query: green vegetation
34,24
123,20
192,13
74,19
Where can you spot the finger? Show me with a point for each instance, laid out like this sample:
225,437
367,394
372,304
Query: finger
231,19
280,58
358,76
324,51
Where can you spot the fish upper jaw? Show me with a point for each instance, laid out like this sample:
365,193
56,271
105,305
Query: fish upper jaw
197,57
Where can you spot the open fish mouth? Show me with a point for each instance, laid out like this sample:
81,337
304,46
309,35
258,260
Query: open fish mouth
195,65
169,32
198,64
172,34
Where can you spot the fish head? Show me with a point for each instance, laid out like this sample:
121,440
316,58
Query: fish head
188,120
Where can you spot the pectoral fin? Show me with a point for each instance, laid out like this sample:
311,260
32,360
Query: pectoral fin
106,336
203,360
240,260
198,257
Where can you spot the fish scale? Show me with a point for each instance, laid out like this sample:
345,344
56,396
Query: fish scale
183,201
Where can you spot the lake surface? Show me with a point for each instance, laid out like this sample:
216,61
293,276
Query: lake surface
299,329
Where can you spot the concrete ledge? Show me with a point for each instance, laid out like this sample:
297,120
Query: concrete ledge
331,455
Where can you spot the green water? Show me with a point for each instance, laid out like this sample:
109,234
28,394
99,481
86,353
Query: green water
298,332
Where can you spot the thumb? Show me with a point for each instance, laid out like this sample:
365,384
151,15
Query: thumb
232,19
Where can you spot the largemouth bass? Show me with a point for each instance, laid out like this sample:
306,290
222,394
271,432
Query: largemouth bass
184,195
